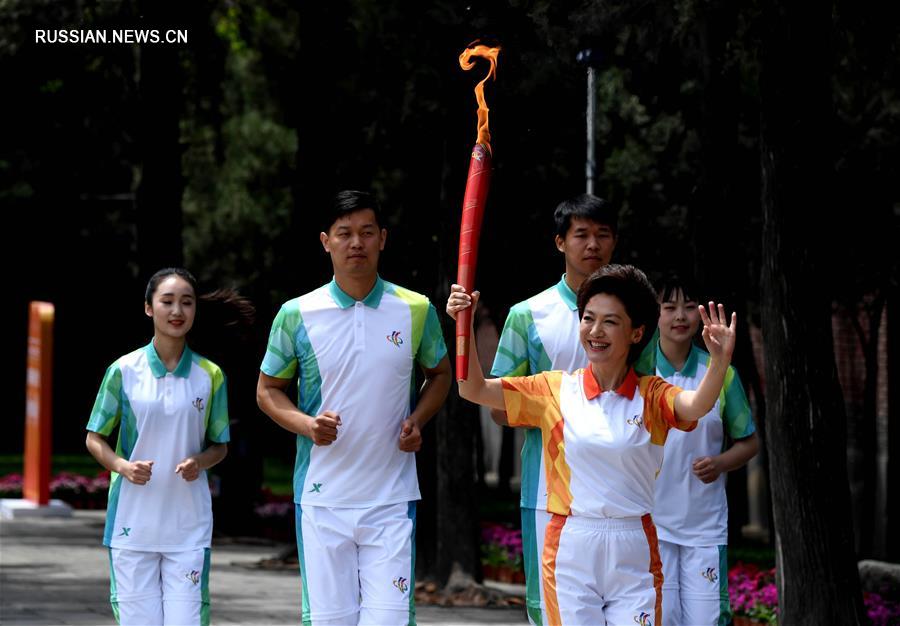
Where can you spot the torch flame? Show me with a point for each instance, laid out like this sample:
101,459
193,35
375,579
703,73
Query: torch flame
465,62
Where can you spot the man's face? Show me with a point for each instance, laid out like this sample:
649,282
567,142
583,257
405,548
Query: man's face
587,246
354,242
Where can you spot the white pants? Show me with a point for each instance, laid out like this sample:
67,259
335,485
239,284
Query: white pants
602,571
534,523
695,590
357,565
159,588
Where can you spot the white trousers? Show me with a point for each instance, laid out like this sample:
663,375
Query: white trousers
602,571
534,523
695,590
357,565
160,588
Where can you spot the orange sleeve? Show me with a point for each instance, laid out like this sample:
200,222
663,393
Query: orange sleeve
531,400
659,408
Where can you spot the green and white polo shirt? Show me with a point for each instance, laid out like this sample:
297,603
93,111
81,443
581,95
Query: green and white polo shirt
162,417
356,358
540,334
686,510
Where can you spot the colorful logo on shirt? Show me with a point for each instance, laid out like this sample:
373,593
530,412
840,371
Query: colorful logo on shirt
316,487
193,576
394,338
710,574
124,532
198,404
401,584
643,619
637,420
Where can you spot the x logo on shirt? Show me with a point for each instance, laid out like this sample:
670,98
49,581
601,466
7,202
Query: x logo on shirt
315,488
125,532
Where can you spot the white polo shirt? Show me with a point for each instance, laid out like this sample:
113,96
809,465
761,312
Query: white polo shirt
540,334
688,511
163,417
355,358
602,449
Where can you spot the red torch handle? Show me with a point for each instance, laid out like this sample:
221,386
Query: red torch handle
477,185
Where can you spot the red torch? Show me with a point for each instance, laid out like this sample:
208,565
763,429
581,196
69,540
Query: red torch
473,203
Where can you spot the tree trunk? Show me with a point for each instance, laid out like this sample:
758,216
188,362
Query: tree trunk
456,527
160,184
892,519
818,581
864,428
719,266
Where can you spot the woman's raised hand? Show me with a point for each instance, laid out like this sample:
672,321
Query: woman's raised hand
718,333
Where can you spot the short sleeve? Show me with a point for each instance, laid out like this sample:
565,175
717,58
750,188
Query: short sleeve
107,411
735,409
511,358
280,360
646,363
432,347
659,408
531,400
217,419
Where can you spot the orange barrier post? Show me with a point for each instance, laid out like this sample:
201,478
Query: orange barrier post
38,398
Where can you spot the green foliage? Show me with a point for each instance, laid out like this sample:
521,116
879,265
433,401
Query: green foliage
493,554
278,476
238,200
83,464
227,27
747,552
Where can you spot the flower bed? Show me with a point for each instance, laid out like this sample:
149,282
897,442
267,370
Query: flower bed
501,553
81,492
882,612
276,516
753,593
754,598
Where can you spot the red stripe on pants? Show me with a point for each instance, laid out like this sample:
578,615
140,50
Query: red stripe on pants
655,564
548,563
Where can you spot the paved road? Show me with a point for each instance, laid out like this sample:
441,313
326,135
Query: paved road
55,572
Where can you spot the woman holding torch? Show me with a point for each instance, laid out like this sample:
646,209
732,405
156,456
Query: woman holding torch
603,430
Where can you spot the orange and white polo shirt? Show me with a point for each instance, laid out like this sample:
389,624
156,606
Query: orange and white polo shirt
602,449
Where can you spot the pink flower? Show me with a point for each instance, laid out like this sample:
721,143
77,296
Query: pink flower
880,611
11,483
501,544
752,592
274,509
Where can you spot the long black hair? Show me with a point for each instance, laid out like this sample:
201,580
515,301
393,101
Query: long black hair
161,275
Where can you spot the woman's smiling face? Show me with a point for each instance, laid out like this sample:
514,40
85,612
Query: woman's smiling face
173,307
606,332
679,318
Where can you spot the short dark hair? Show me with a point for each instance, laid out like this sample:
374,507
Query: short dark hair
587,206
350,201
631,287
161,275
669,285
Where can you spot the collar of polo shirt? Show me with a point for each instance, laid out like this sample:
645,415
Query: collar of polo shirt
159,370
592,389
666,369
344,301
568,296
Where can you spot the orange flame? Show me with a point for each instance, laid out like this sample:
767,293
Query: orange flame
465,62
